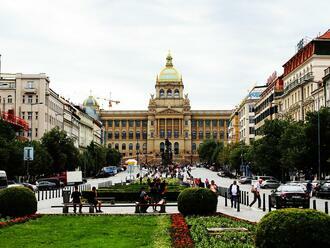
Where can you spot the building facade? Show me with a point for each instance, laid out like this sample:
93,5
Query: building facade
303,75
266,107
142,133
326,86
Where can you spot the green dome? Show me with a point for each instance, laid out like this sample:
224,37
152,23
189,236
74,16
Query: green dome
91,102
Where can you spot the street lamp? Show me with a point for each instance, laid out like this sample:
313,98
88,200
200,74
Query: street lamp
318,137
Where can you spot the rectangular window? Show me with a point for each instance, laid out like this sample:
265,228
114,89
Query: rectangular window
23,99
193,123
29,84
29,133
29,115
144,123
193,135
186,123
207,123
151,123
200,123
29,99
137,123
36,115
144,135
176,134
123,123
23,115
116,123
37,99
36,132
109,135
162,133
131,123
214,123
221,123
186,134
110,123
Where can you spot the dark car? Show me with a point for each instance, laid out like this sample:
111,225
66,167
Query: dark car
324,190
245,180
45,185
289,196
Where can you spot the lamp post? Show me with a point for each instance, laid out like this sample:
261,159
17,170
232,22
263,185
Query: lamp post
318,138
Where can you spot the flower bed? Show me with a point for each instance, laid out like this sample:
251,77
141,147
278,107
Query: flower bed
180,232
232,239
8,222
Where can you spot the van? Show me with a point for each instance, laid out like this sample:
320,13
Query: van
263,178
3,179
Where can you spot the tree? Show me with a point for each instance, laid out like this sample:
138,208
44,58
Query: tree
209,151
113,157
237,156
61,149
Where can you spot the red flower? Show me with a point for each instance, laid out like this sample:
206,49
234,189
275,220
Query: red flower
180,232
19,220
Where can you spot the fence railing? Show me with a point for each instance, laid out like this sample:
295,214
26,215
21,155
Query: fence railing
104,184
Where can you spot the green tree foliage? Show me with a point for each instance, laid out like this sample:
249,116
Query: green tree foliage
209,151
113,157
237,155
61,149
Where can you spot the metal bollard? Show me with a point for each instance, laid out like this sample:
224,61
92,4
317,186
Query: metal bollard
247,199
38,195
238,206
244,200
269,203
264,202
42,195
226,199
314,204
326,208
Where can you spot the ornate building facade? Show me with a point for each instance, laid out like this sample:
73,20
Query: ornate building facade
141,134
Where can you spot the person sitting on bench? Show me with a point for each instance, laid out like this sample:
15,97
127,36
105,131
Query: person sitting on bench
76,199
95,202
143,199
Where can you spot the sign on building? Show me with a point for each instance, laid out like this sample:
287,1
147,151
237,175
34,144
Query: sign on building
28,153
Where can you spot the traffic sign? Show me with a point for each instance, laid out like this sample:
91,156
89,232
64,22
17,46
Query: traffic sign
28,153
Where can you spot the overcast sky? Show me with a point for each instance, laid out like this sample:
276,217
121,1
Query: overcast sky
222,48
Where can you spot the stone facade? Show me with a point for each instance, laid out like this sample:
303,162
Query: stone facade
141,134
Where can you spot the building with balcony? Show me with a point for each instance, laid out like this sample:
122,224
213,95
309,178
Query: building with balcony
302,77
169,116
233,128
267,106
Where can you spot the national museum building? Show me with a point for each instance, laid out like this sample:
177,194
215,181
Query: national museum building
141,134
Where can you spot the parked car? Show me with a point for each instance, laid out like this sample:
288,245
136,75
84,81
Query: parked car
56,181
226,174
263,178
45,185
245,180
270,184
289,196
30,186
324,190
297,183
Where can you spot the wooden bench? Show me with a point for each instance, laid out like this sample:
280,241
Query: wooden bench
66,207
162,204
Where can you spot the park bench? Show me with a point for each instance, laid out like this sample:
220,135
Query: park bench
107,199
162,204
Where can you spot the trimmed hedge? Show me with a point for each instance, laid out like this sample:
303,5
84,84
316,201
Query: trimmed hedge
197,201
17,201
294,228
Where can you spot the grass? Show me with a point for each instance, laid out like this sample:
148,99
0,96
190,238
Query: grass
202,239
89,231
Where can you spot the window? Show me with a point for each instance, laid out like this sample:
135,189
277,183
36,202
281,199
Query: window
251,119
29,115
117,146
151,134
110,123
37,99
137,146
193,135
137,135
151,123
251,108
169,93
123,123
169,134
251,130
144,135
29,84
130,135
186,135
36,114
10,99
29,99
207,135
137,123
123,135
200,123
207,123
162,133
116,123
162,147
0,99
23,99
29,133
123,147
201,135
176,148
193,146
23,115
130,146
214,123
116,135
176,134
131,123
36,132
109,135
193,123
176,93
186,122
161,93
221,123
109,146
215,135
144,123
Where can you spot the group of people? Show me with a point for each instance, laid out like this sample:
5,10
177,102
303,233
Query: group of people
77,200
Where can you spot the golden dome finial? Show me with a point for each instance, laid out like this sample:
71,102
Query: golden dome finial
169,59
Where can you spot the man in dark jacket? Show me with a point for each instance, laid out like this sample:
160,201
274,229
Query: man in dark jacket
234,193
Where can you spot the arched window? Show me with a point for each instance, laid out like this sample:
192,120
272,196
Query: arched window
130,135
109,146
162,147
194,135
117,146
193,146
161,93
137,135
116,135
123,146
169,92
123,135
176,93
130,146
10,99
137,146
176,148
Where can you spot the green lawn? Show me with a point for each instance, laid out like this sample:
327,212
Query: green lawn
89,231
202,239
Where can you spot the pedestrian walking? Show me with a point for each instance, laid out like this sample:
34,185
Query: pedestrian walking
214,187
234,193
256,193
207,183
309,188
